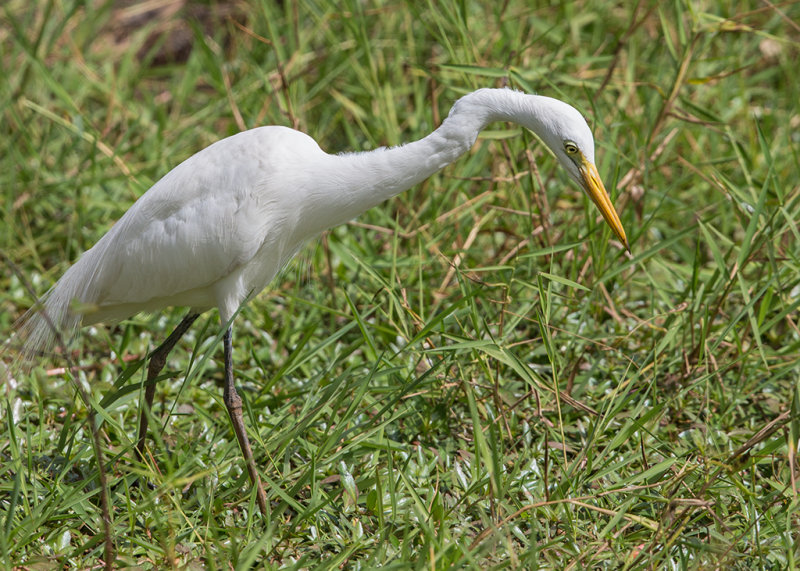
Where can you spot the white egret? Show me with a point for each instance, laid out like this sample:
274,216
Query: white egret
219,226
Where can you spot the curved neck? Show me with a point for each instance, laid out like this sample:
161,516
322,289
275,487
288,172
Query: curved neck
346,185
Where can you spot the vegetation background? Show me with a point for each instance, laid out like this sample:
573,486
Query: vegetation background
471,375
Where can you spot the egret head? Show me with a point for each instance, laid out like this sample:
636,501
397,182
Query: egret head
562,128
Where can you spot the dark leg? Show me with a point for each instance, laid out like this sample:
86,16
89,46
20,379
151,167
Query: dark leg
233,402
157,360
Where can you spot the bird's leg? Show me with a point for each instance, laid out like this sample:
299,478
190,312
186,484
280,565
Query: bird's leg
157,360
233,402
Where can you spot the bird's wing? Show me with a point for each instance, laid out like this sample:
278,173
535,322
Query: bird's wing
215,230
203,220
176,247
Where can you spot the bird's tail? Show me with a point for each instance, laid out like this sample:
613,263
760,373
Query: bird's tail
51,322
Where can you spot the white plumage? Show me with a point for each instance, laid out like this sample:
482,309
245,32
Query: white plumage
216,229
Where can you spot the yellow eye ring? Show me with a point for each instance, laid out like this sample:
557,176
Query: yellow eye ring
570,148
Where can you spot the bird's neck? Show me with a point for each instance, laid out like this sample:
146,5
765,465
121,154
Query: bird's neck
347,185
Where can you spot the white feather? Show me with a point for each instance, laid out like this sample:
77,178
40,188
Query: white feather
217,228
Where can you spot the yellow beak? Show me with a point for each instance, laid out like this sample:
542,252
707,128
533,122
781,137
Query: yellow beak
597,192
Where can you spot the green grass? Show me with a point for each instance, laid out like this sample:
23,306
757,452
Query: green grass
425,387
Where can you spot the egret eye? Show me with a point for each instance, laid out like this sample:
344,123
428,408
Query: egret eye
570,148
